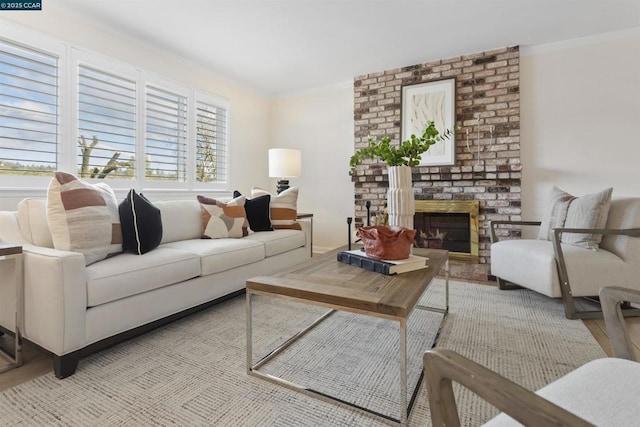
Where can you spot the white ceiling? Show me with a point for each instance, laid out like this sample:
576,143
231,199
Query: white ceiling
279,47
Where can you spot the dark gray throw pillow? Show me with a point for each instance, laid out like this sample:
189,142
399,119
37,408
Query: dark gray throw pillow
258,213
141,224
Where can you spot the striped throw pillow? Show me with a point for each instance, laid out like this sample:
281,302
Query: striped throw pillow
283,207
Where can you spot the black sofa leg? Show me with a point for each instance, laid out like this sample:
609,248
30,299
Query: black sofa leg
65,366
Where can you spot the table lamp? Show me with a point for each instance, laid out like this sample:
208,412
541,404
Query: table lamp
284,163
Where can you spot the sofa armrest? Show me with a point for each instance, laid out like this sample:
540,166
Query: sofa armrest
55,298
494,224
442,366
611,299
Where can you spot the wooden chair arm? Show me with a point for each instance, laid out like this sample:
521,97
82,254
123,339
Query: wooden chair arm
442,366
611,298
633,232
493,225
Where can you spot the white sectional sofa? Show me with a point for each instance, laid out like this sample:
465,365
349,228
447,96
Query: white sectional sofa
73,310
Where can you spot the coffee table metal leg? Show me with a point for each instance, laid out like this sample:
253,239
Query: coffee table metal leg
403,373
249,333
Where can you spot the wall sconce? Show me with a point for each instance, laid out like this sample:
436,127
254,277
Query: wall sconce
284,163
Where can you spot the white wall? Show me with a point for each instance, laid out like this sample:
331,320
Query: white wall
320,123
580,118
249,111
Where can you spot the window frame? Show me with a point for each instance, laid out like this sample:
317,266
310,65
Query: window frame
70,58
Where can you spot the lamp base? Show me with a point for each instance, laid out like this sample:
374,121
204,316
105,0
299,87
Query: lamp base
283,184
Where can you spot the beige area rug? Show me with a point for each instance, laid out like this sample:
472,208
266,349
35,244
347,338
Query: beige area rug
193,371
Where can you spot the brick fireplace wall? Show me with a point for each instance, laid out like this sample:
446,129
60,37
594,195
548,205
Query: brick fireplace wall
487,98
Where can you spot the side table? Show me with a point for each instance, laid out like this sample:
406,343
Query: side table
310,217
14,252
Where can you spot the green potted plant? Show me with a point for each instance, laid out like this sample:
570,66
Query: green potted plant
400,159
407,153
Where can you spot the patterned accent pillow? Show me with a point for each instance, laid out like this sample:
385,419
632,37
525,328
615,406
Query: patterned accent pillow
141,224
221,220
283,207
83,217
257,212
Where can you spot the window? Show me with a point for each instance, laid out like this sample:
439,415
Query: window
211,142
29,110
65,108
106,125
166,135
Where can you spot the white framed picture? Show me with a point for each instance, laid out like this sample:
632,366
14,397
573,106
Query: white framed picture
431,101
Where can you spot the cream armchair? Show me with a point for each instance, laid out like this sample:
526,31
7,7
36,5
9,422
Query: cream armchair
602,392
561,270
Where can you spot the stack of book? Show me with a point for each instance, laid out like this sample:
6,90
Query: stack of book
359,258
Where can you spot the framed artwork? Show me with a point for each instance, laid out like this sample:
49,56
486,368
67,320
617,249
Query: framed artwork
431,101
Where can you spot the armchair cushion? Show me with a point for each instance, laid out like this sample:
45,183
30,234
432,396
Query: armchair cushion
531,263
601,392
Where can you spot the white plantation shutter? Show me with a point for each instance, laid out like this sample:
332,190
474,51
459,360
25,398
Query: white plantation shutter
211,143
106,123
166,135
29,111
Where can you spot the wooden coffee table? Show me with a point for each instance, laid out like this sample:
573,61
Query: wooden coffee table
325,282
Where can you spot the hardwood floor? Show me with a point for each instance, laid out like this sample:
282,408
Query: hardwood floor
37,362
599,331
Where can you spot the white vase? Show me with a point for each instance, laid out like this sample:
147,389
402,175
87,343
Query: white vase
400,200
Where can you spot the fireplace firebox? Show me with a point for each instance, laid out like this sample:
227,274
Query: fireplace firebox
451,225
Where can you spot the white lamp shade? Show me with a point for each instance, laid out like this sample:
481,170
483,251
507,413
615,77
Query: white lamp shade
284,162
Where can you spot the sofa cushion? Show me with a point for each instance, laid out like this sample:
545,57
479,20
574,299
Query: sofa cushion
279,241
141,224
221,254
32,217
83,217
129,274
181,220
223,219
283,207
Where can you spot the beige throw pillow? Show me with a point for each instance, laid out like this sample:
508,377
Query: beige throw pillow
283,207
568,211
589,211
83,217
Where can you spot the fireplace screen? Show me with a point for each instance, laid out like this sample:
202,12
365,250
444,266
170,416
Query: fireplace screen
449,231
450,225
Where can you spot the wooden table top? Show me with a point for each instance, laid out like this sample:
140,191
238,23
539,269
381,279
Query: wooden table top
10,249
323,280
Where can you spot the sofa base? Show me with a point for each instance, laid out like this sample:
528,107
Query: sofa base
66,365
